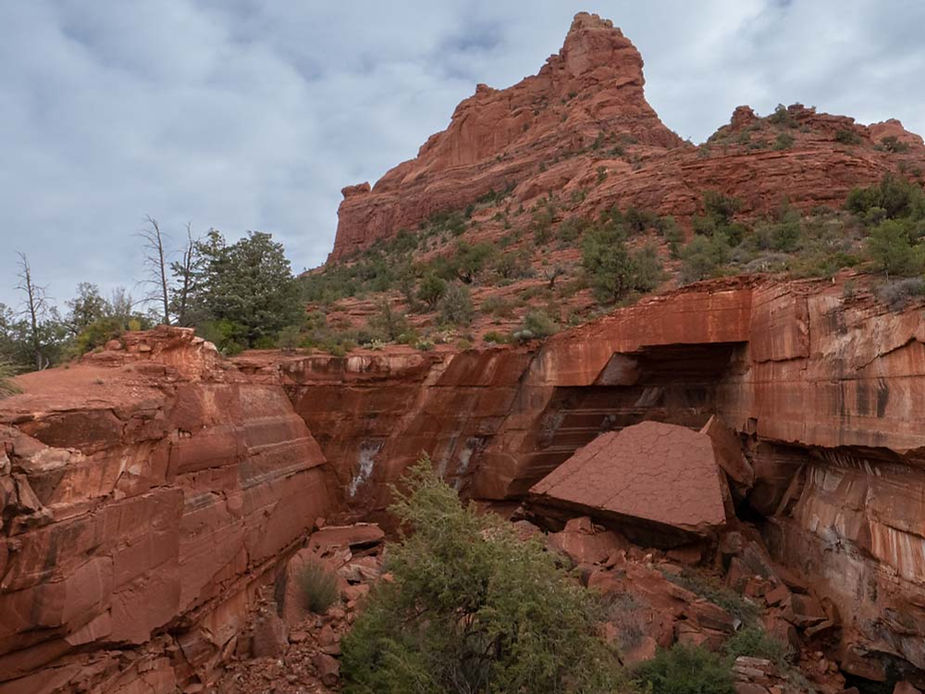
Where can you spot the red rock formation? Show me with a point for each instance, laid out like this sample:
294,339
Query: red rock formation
659,474
145,493
592,88
823,384
582,127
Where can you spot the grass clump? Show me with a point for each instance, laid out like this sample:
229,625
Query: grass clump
319,587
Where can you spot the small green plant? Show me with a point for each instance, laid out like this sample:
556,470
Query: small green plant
893,144
319,587
755,642
783,141
847,137
685,670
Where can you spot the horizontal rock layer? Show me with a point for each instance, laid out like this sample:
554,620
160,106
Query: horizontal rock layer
142,503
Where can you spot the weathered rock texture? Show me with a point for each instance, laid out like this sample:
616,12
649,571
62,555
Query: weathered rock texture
821,386
661,474
144,495
496,138
582,126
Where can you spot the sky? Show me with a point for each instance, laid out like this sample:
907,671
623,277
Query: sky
252,115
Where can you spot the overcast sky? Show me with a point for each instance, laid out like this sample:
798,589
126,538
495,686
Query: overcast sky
245,114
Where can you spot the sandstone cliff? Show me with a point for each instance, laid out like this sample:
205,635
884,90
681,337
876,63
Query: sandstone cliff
146,493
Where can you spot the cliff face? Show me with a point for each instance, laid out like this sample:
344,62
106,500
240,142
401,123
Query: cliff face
145,493
820,385
582,126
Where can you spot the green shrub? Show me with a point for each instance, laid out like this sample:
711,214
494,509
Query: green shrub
783,141
497,306
388,322
703,258
612,270
894,196
289,338
455,306
685,670
318,586
755,642
891,143
847,137
896,294
471,608
539,323
709,589
431,289
7,387
495,337
895,249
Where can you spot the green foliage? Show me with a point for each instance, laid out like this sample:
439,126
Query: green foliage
892,198
497,306
539,323
431,289
471,259
782,117
847,136
703,258
472,609
289,338
228,336
612,270
318,586
783,141
247,285
896,249
455,306
7,387
893,144
388,322
512,265
495,337
755,642
896,294
718,594
685,670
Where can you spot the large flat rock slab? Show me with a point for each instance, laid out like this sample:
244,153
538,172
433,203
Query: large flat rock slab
659,473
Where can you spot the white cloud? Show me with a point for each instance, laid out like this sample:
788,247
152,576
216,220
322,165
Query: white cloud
250,115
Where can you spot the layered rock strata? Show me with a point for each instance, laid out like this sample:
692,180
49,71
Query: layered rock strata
145,494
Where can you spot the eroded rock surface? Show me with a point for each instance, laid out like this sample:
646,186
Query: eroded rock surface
654,473
145,492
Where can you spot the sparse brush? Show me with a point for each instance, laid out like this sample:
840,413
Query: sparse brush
319,587
7,387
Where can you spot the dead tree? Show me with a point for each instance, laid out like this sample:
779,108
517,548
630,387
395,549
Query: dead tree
157,265
35,305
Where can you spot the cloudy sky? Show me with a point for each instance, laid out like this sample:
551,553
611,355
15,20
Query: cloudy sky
245,114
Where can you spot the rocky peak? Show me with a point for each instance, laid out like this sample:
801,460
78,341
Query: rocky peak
590,91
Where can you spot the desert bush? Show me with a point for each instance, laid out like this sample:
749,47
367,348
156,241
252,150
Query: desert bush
895,248
685,670
891,143
471,608
7,387
718,594
471,259
612,270
497,306
431,289
896,294
289,338
388,322
455,306
755,642
318,585
847,137
703,258
495,337
539,323
783,141
891,198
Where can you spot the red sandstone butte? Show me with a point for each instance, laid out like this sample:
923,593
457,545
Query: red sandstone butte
660,473
582,127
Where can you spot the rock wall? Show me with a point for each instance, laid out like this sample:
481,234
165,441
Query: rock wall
820,384
145,494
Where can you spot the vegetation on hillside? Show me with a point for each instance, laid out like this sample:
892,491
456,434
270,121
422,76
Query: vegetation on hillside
471,608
